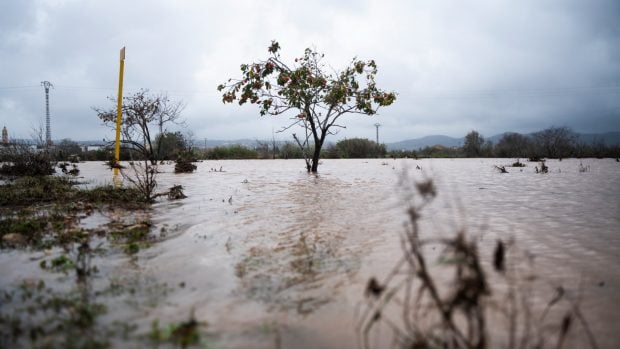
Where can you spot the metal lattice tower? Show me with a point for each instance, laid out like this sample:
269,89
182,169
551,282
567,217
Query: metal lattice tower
377,126
48,131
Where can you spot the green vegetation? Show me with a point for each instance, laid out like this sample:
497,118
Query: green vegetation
23,160
40,212
184,166
23,191
45,213
170,145
231,152
184,334
42,317
436,151
356,148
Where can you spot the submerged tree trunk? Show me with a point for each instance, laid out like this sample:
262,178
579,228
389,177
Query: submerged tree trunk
317,154
315,159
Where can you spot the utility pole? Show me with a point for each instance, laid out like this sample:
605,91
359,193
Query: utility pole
48,131
377,126
119,113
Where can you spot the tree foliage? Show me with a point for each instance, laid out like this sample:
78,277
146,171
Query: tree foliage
513,145
313,98
555,142
170,145
473,144
66,149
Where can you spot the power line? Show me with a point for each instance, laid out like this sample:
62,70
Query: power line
18,87
445,94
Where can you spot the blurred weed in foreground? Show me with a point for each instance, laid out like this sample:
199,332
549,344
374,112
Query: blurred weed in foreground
455,302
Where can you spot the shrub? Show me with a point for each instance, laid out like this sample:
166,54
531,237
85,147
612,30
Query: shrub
22,160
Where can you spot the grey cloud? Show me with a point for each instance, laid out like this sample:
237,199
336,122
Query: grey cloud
491,66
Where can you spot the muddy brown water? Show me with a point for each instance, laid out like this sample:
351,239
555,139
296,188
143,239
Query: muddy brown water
271,257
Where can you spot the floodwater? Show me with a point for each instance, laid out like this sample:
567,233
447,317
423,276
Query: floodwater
271,257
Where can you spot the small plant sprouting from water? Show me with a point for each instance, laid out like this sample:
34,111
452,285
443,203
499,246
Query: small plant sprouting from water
543,167
184,334
450,303
64,168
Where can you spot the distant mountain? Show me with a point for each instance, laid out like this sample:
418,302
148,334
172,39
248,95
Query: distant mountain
211,143
608,138
417,143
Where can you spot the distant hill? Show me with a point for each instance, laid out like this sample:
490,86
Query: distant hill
417,143
608,138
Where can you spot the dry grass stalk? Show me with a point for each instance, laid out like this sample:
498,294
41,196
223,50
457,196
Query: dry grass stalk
425,308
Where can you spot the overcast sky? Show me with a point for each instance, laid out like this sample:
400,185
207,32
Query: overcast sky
493,66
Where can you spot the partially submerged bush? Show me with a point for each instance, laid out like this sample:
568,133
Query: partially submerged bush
22,160
176,193
543,168
142,175
64,168
184,166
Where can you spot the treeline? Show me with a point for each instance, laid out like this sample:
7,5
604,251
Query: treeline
173,146
553,142
345,149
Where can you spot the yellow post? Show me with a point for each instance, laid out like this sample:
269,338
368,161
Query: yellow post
119,112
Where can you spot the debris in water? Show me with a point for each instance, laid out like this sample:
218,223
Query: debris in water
498,259
501,169
373,288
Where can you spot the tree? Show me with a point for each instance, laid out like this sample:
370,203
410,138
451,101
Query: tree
555,142
313,98
473,144
142,113
67,148
170,145
290,151
513,145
